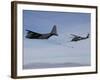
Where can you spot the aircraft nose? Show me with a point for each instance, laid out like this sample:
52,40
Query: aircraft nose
27,36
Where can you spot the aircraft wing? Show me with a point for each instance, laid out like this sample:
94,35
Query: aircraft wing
29,31
34,34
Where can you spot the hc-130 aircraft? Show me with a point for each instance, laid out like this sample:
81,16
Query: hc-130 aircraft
35,35
78,38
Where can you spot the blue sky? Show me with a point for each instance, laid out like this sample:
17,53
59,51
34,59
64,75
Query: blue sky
42,21
56,49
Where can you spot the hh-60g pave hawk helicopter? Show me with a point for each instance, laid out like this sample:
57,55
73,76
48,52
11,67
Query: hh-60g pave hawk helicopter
35,35
78,38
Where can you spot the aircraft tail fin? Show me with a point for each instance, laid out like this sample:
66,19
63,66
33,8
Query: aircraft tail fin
88,35
54,30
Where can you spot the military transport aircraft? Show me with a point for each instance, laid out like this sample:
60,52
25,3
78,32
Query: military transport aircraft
78,38
35,35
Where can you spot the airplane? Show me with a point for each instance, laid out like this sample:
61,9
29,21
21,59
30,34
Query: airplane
35,35
78,38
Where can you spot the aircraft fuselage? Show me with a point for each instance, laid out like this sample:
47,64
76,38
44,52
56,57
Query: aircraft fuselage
78,39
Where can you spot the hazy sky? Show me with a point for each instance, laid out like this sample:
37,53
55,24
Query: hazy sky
56,49
42,21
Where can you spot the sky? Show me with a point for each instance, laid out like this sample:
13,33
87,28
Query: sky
42,21
56,49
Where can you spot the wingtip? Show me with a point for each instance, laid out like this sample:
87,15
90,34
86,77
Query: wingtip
26,30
